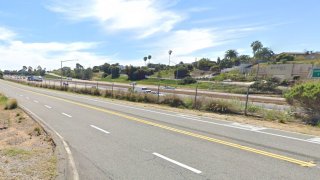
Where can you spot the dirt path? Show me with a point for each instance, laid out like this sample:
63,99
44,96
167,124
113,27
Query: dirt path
26,151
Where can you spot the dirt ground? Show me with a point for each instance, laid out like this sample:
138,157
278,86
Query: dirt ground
26,151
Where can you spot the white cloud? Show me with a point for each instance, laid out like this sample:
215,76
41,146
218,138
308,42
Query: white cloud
144,16
6,34
15,53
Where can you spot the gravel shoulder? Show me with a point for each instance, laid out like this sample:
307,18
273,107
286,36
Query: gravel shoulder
26,150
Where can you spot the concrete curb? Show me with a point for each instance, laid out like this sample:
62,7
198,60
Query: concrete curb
66,167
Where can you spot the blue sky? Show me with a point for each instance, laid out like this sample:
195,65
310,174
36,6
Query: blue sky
97,31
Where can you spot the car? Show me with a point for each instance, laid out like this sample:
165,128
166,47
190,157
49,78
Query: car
169,87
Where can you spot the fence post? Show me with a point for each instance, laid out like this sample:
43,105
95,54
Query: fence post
195,97
85,85
158,92
97,85
112,90
247,99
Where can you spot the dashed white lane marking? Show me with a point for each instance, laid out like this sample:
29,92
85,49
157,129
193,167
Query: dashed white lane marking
314,140
66,146
102,130
49,107
67,115
36,101
27,98
21,95
249,127
177,163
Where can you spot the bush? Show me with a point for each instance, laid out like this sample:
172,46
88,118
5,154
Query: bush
306,95
173,101
187,80
223,107
11,104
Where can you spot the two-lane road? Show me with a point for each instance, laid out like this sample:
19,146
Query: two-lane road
118,140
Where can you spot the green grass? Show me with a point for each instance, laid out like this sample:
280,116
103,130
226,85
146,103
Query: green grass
168,73
3,99
12,152
49,76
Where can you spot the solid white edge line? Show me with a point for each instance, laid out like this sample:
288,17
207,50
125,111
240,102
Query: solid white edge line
49,107
93,126
67,115
66,146
177,163
173,115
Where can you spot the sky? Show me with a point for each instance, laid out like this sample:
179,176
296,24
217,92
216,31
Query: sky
44,32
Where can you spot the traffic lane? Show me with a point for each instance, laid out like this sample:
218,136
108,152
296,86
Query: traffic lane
186,148
204,125
97,155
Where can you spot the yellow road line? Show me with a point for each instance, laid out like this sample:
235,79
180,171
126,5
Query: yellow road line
230,144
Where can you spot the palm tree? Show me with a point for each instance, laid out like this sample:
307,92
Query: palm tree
145,60
169,52
149,57
231,54
256,46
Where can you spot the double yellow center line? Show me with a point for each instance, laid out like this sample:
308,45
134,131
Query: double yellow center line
230,144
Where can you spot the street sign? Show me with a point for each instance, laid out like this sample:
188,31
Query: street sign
316,73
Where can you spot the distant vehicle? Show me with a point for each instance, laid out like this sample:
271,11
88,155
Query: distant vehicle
168,87
142,90
69,79
35,78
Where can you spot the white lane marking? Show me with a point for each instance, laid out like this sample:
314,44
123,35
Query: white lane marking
27,98
189,116
66,146
21,95
174,115
100,129
178,163
36,101
49,107
249,127
67,115
314,140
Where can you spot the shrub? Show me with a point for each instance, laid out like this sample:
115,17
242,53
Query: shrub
11,104
187,80
173,101
306,95
223,107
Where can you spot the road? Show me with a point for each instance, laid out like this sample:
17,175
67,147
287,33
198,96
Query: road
271,103
112,139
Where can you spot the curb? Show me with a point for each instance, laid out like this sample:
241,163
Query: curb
66,167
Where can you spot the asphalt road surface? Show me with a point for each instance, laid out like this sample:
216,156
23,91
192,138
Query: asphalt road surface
118,140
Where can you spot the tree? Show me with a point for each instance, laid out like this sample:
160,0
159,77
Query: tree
218,60
244,58
87,74
285,57
231,54
149,57
225,63
145,60
306,95
1,74
264,53
95,69
205,64
181,72
256,46
115,72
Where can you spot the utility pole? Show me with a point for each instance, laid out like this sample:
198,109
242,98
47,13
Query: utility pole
61,69
195,96
170,52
